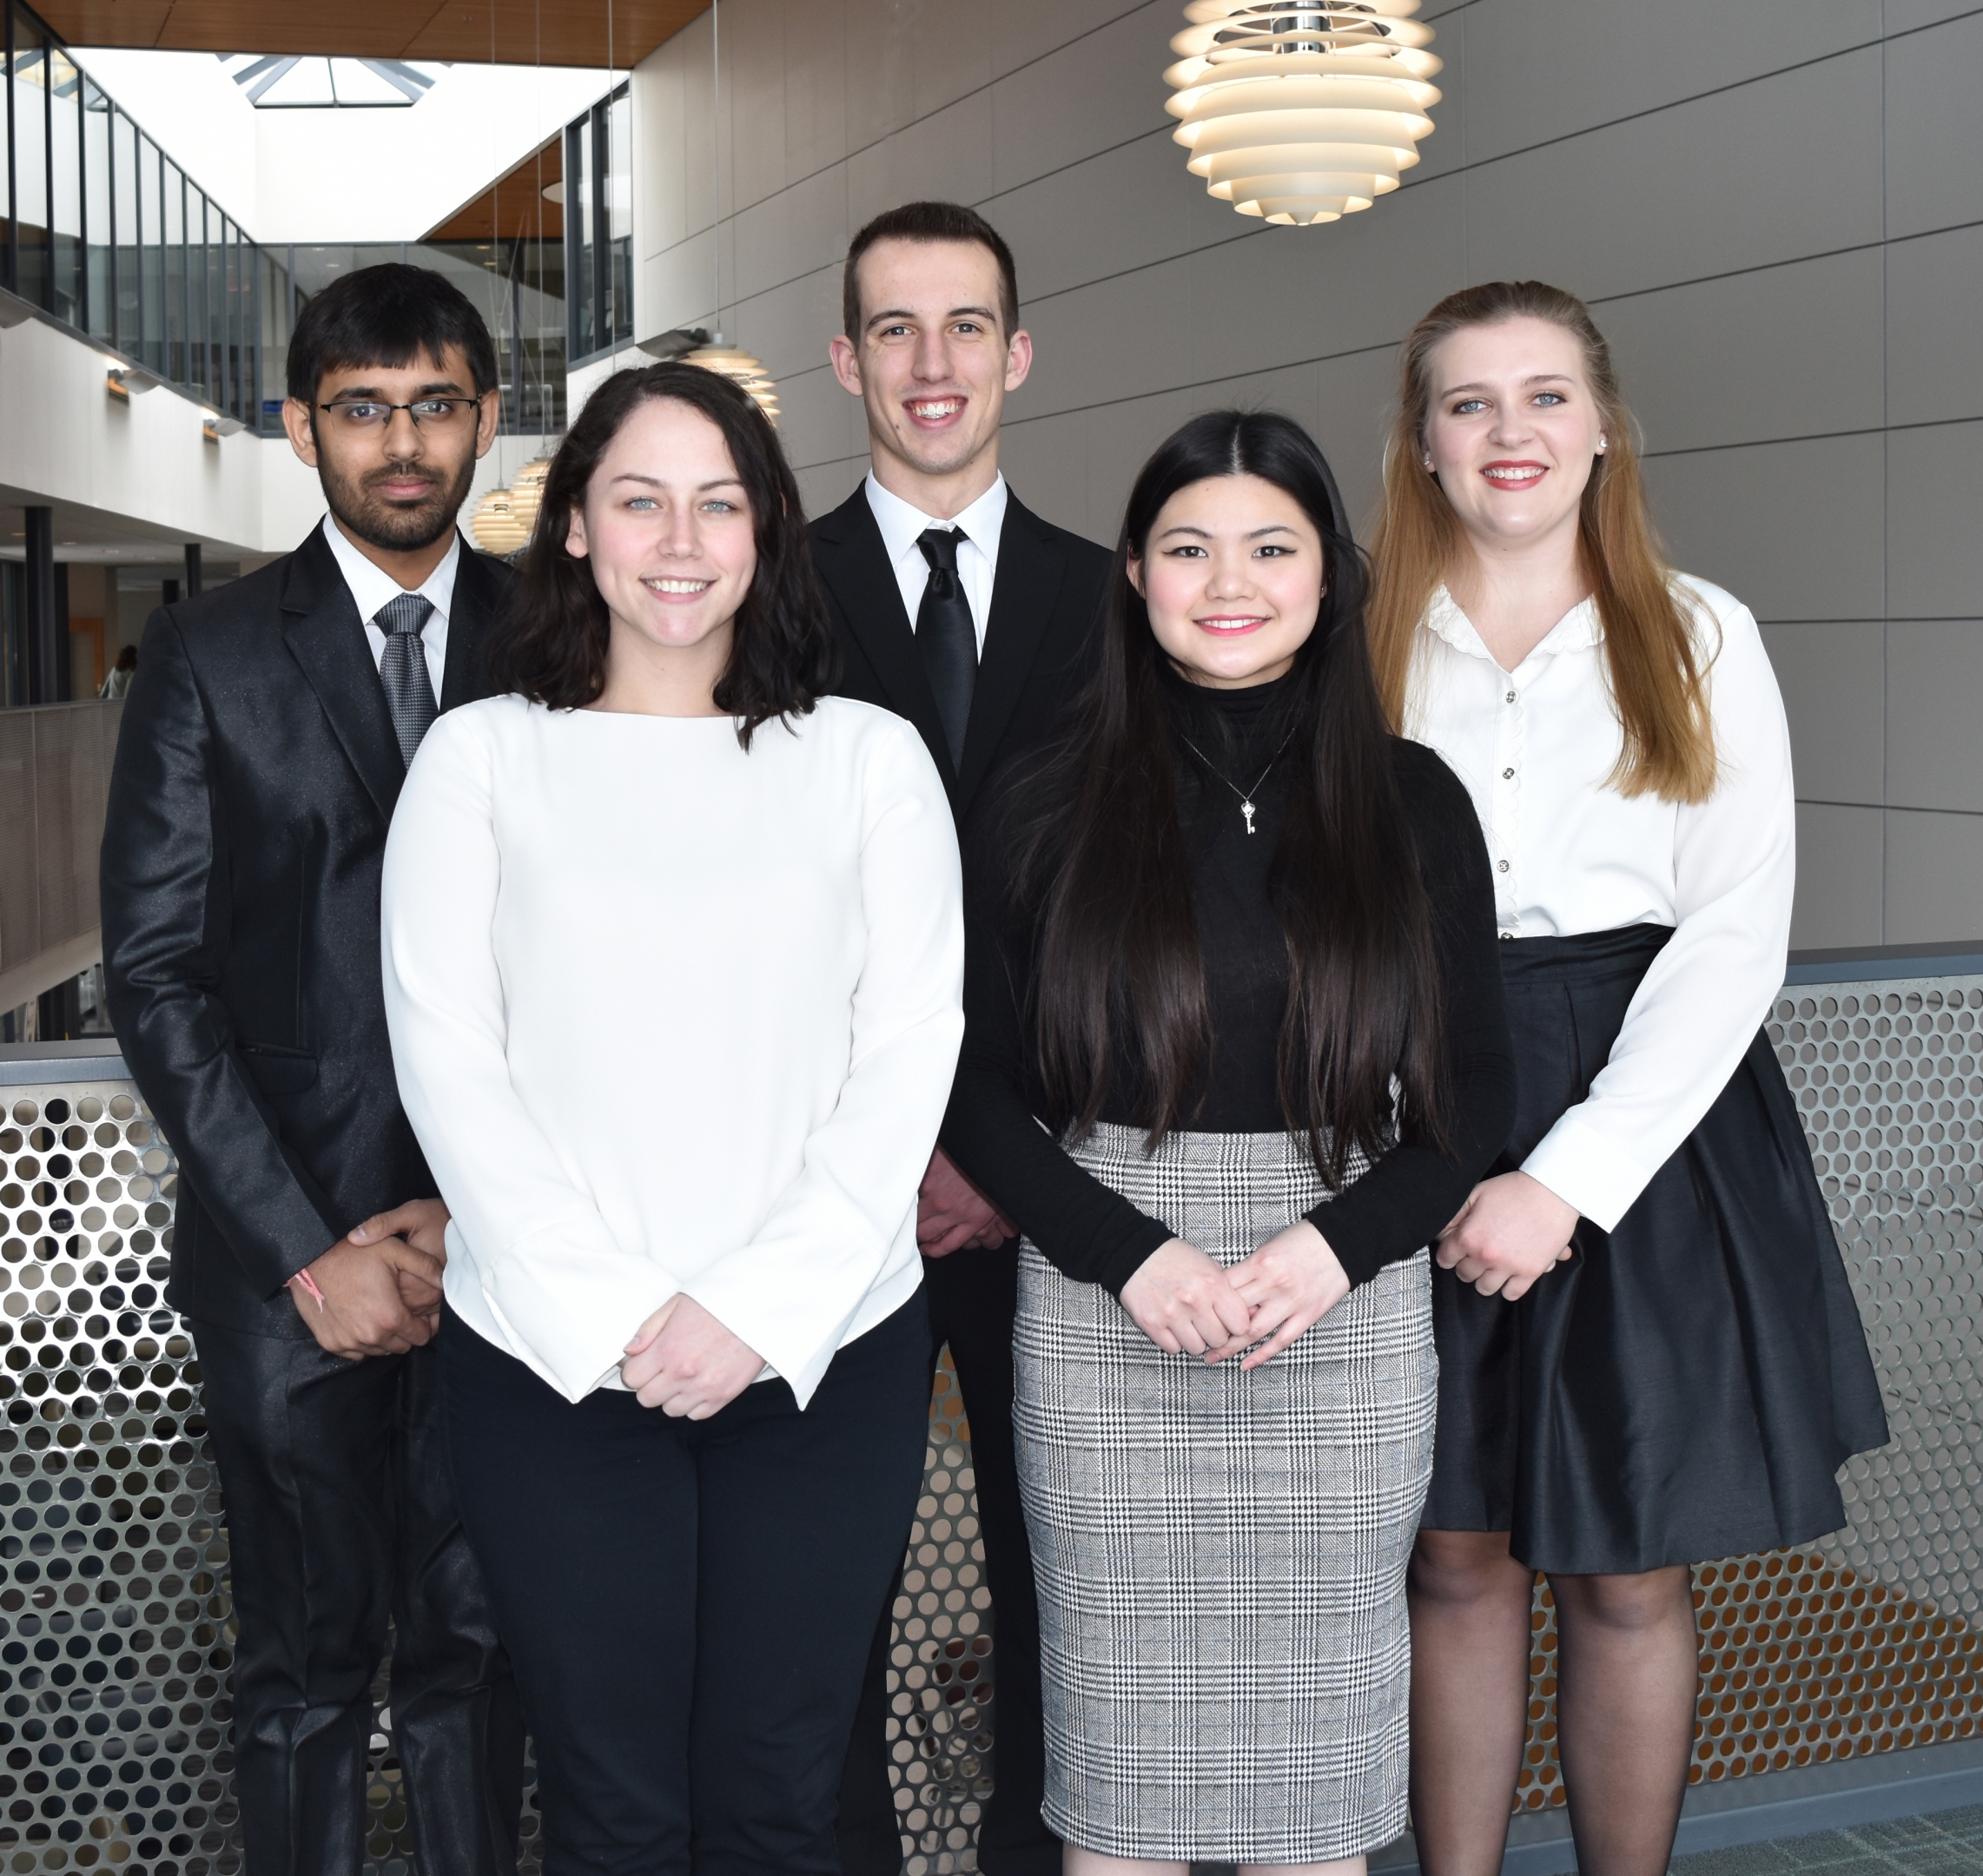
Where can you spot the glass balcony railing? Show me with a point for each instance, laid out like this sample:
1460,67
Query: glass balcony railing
105,233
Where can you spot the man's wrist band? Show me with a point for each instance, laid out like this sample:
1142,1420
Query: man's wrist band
309,1284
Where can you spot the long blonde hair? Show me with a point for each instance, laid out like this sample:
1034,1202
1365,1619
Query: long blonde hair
1657,676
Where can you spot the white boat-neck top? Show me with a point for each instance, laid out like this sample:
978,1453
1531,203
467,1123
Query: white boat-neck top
672,1017
1533,747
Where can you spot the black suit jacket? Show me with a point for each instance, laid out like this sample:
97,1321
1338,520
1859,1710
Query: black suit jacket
255,776
1040,642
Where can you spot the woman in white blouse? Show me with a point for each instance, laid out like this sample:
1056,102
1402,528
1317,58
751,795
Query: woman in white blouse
1649,1352
673,959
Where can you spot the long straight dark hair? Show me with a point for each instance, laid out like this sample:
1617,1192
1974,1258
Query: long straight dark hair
1103,854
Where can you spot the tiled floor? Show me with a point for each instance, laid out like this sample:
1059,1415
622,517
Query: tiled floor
1946,1843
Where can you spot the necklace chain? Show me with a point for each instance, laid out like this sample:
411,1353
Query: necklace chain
1245,794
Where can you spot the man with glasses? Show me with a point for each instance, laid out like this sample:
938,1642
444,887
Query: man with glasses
262,748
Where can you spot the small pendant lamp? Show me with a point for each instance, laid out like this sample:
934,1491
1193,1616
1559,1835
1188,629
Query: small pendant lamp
527,492
1302,110
741,368
496,526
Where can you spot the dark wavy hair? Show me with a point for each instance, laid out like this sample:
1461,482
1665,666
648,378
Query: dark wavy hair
1102,854
550,642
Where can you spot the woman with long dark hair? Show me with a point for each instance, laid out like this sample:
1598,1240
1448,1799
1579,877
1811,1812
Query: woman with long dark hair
1235,1054
1649,1354
673,950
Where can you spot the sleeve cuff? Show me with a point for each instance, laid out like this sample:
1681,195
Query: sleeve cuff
559,1328
1583,1168
1125,1259
1361,1259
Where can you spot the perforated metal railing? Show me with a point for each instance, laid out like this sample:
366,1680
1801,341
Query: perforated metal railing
115,1612
116,1636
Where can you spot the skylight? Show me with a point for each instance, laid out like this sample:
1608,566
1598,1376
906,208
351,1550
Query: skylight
279,80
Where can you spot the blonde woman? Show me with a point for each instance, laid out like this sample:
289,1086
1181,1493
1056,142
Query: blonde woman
1649,1353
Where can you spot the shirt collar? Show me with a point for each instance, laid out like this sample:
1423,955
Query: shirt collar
1579,630
901,523
373,587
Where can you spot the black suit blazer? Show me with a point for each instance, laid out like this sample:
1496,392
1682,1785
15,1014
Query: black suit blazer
255,776
1040,642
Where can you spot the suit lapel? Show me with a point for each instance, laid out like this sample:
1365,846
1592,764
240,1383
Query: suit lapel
327,637
1030,567
855,566
477,593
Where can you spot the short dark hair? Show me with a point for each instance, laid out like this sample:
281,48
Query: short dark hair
390,315
929,221
550,642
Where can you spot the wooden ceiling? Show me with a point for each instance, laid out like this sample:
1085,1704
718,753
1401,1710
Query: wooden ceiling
514,208
615,33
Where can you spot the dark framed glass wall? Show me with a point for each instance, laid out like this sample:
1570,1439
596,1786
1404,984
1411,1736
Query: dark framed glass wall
99,258
104,233
598,227
27,157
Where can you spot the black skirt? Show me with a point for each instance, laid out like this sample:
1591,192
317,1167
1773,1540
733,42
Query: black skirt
1687,1386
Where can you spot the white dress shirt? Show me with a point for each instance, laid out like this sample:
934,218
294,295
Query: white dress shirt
977,553
373,587
778,936
1570,855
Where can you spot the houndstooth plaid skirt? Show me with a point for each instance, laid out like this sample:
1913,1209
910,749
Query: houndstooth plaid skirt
1221,1555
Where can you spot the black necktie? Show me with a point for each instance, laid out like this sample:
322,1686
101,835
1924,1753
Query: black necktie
409,691
946,637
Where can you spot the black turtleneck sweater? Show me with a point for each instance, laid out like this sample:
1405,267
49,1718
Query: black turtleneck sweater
1230,744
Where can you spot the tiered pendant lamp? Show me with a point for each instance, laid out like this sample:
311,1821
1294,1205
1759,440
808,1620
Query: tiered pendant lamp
505,517
526,490
1302,110
496,526
741,368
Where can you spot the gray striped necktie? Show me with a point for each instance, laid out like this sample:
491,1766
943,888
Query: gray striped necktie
409,691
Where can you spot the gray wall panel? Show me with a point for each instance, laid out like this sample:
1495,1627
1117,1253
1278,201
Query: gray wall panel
1603,60
1792,529
1934,365
1935,876
1839,866
1934,676
1934,545
1833,682
1771,171
1935,138
816,98
1781,351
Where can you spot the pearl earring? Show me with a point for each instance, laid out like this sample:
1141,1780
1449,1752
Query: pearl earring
1601,446
1428,461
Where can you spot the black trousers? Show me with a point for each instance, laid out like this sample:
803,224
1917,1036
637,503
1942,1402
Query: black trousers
973,1298
688,1603
340,1515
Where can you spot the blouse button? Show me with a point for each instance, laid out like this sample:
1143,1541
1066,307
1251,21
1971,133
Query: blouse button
1507,775
1510,697
1500,866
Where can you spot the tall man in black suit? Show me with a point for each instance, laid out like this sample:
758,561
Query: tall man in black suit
961,610
263,747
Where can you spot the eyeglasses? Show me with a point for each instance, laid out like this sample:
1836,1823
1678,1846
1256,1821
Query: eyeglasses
428,414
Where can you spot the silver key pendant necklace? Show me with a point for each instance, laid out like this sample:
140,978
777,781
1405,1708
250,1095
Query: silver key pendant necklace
1246,795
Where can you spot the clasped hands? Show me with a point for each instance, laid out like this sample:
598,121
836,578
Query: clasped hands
1512,1231
1189,1304
380,1284
684,1362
